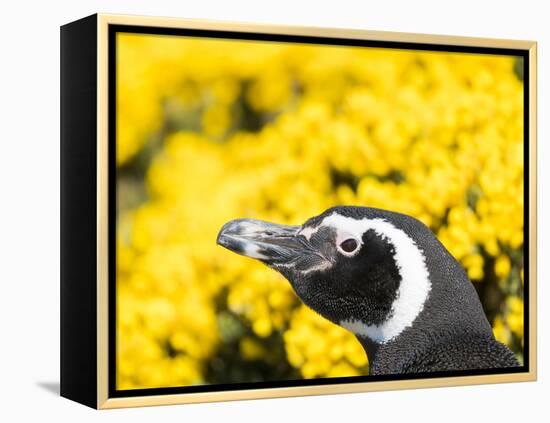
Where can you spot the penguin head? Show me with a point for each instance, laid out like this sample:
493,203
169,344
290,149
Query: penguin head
359,267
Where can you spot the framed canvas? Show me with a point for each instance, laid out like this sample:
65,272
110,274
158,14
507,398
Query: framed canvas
257,211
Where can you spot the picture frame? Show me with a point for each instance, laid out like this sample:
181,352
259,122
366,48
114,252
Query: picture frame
89,213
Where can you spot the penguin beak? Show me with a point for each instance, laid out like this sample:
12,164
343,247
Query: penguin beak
265,241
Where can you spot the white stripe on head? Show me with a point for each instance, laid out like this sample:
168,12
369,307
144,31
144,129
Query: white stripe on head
415,281
308,231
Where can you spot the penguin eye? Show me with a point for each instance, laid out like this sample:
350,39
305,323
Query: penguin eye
349,245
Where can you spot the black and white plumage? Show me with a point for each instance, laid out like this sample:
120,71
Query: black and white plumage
385,277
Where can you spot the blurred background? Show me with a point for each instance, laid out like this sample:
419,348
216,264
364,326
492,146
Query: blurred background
210,130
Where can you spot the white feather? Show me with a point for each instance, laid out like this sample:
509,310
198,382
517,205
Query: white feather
308,231
415,281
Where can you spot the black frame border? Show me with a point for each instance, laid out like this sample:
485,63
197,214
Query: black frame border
78,211
114,29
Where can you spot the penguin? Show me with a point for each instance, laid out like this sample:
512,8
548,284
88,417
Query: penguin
385,277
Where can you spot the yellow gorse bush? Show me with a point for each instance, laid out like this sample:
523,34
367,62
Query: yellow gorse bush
211,130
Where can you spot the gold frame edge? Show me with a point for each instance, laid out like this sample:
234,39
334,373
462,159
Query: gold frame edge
103,400
533,166
102,214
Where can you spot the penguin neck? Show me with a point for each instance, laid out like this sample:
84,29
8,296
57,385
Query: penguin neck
430,330
371,348
393,356
396,355
452,311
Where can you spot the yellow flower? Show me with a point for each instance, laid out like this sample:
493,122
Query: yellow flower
502,266
515,315
251,349
209,130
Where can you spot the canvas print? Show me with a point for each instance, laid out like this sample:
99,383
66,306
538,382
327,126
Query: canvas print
293,211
